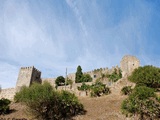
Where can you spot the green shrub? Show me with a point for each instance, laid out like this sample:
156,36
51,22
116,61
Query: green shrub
98,89
146,76
126,90
69,104
142,101
115,76
4,106
84,87
45,103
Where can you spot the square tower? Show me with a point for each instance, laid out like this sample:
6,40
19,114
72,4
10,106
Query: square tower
27,75
128,64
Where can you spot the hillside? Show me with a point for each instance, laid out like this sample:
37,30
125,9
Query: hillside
101,108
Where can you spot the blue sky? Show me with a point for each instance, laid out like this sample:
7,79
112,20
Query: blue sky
55,34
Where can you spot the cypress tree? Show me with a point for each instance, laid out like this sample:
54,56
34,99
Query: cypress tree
79,74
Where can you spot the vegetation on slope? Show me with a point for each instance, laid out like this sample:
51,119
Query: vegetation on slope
80,77
4,106
126,90
96,90
147,76
143,101
115,76
46,103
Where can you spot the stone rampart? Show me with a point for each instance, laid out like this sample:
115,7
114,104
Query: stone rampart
8,93
28,75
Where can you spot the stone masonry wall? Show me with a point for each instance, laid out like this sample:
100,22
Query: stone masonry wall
8,93
28,75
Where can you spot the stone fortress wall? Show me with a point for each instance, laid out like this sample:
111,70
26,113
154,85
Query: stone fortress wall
28,75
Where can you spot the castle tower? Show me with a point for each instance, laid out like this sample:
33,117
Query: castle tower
128,64
28,75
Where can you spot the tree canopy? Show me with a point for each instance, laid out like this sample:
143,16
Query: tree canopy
147,76
60,81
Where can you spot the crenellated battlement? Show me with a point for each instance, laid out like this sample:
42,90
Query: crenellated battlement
28,75
30,68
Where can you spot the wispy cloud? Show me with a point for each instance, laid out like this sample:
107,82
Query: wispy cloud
54,35
76,10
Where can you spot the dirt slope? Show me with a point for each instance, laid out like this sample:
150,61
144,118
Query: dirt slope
102,108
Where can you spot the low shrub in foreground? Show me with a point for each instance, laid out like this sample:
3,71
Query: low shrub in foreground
4,106
143,103
47,104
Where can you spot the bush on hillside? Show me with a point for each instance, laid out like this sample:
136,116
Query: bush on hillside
115,76
4,106
98,89
45,103
126,90
146,76
142,102
84,87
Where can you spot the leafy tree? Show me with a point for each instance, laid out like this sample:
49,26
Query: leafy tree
79,74
86,78
47,104
60,81
4,106
142,101
146,76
